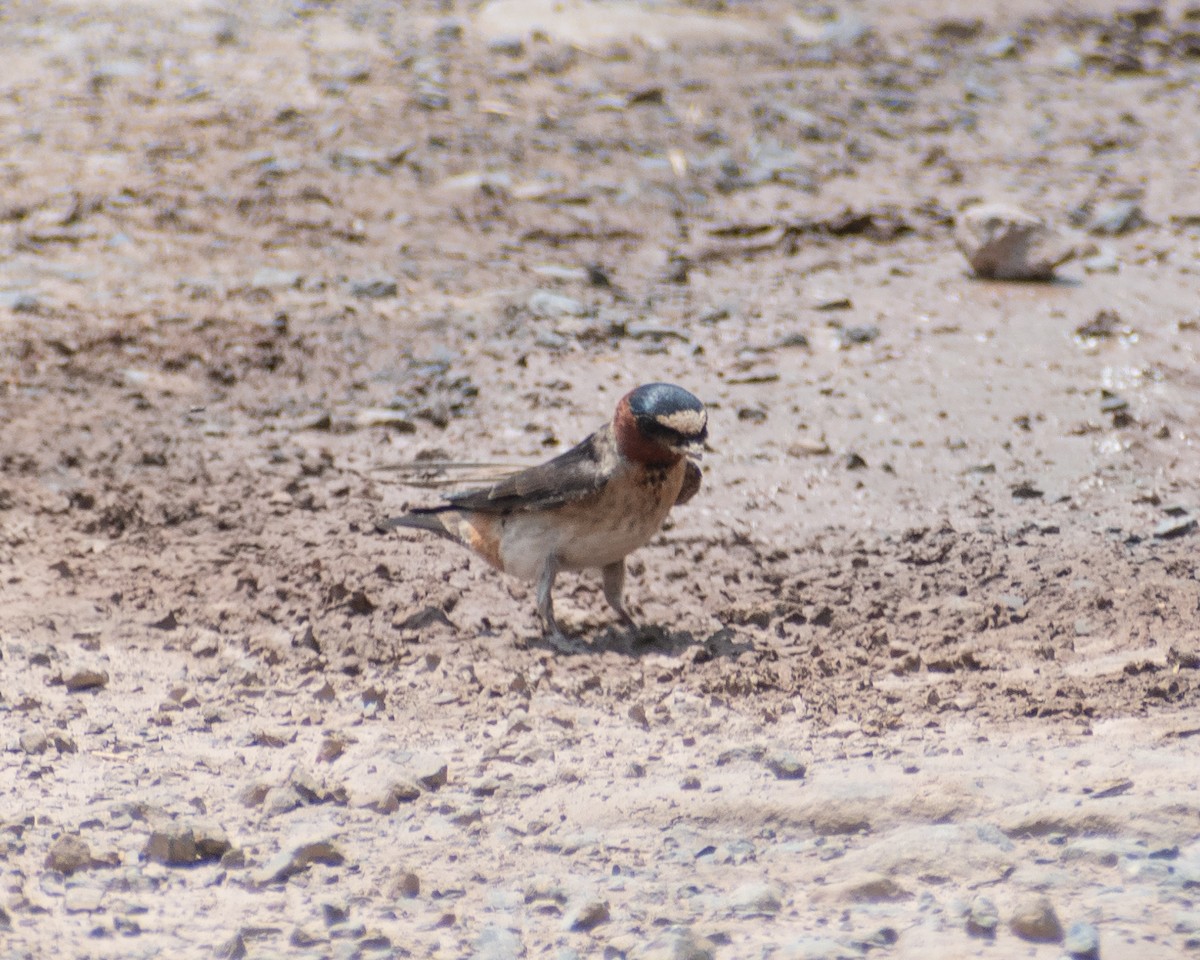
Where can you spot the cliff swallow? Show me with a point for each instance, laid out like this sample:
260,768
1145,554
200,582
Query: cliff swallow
589,507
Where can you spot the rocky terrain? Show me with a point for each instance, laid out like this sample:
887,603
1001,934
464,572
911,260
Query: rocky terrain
919,675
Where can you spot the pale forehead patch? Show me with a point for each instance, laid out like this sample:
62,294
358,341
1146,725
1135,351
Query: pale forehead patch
687,422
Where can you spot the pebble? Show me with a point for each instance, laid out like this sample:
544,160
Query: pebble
1034,919
587,913
84,676
546,303
1114,219
430,770
1174,527
785,766
1004,242
272,278
376,289
83,898
498,943
756,898
297,856
232,949
1103,261
1082,941
69,854
34,742
982,918
677,943
406,884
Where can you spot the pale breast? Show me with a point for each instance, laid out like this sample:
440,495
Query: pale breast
597,531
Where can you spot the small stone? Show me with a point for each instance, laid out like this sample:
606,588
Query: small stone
1035,920
1104,261
756,899
271,278
586,914
297,856
84,677
678,943
384,796
785,766
983,918
430,771
1114,219
546,303
406,884
1174,527
1003,242
232,949
171,845
34,742
507,46
334,912
1082,941
377,289
498,943
69,854
211,841
83,899
307,937
689,783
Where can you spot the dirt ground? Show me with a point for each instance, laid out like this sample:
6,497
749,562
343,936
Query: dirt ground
919,676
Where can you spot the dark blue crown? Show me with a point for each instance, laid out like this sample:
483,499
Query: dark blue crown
657,399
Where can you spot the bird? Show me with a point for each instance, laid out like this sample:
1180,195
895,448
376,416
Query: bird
587,508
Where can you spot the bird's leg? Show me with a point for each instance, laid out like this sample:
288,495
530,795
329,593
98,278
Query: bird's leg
614,590
545,598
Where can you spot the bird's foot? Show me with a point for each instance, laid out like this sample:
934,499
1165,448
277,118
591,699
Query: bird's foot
562,643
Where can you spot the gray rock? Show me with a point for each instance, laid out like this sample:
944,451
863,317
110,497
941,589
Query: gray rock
982,918
678,943
820,948
83,898
377,289
34,742
1082,941
507,46
18,301
1174,527
1003,242
173,844
1113,219
1105,260
785,766
406,884
383,796
69,854
335,912
1035,920
430,770
272,278
232,949
756,899
585,914
281,799
297,856
84,676
546,303
498,943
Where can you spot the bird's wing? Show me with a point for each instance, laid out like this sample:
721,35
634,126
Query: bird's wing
571,476
691,482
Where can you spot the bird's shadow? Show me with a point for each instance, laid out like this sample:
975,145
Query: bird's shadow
644,640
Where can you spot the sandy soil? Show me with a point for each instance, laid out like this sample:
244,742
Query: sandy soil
920,678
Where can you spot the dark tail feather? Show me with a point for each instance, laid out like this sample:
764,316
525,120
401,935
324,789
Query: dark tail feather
425,518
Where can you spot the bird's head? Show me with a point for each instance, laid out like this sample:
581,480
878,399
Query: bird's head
659,422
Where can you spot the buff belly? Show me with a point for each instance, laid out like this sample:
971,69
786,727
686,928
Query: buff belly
594,532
